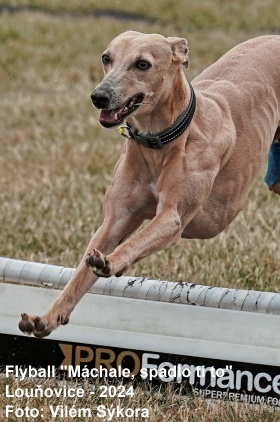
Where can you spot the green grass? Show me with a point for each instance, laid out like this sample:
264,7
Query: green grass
163,405
56,160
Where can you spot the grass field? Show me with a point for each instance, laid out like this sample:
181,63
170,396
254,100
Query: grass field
56,160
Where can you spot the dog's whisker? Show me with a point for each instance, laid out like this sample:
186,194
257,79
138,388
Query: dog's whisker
143,103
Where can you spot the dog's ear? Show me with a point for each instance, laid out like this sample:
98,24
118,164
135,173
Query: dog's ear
180,50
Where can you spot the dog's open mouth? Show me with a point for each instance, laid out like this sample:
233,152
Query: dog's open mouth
110,118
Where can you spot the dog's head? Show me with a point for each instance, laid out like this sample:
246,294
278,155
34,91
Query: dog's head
139,70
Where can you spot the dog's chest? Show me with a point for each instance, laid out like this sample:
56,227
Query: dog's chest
153,188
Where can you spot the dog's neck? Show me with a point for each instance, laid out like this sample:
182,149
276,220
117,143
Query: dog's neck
166,110
174,130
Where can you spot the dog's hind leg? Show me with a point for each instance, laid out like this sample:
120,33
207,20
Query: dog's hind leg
272,177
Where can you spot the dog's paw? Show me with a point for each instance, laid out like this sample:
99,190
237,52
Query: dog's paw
37,326
99,264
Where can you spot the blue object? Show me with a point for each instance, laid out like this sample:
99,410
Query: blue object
273,168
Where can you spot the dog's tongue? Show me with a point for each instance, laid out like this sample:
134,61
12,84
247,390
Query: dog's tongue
110,116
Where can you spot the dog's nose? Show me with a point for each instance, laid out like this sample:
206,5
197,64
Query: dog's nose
100,99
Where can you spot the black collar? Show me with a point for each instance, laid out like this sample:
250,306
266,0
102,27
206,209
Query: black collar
159,139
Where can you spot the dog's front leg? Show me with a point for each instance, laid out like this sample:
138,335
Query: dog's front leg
180,196
119,222
165,229
79,284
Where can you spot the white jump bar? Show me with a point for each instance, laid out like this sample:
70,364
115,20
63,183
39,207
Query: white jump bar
33,273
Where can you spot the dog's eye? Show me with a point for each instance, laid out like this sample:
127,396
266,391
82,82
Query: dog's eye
105,59
143,65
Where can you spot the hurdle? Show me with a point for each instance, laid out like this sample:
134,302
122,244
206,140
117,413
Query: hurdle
225,339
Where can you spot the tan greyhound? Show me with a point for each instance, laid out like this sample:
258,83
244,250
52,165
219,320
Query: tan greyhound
192,152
